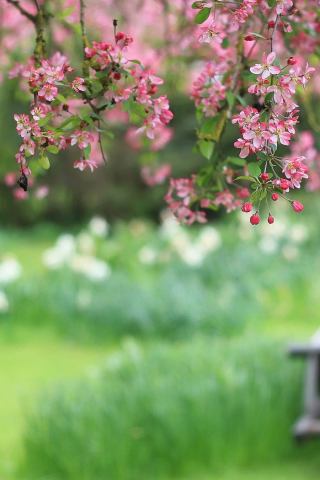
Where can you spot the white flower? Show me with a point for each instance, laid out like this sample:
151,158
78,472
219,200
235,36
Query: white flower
10,270
99,227
86,243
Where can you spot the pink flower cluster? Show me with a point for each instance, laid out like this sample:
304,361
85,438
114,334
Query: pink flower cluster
207,90
184,189
146,83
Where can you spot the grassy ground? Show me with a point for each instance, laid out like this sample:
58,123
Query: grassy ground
30,360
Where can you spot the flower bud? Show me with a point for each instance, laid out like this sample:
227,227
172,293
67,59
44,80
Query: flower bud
270,219
271,24
247,207
255,219
274,196
297,206
291,61
284,184
249,38
265,177
295,11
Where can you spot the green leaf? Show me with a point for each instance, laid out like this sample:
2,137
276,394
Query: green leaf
123,71
101,73
44,161
254,169
77,28
225,43
255,196
52,149
209,125
264,116
45,120
206,148
268,98
109,134
127,104
199,115
64,14
257,35
138,62
202,15
61,99
261,156
96,85
263,194
246,178
195,5
236,161
249,75
271,3
230,98
240,100
87,151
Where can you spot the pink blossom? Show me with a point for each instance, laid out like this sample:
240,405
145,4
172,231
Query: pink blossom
48,91
161,104
77,85
28,145
279,133
258,134
149,125
266,68
82,137
155,176
82,164
246,147
210,32
118,54
297,206
246,117
259,87
226,199
38,112
281,91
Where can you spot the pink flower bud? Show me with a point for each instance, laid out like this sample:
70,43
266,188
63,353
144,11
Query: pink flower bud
247,207
249,38
265,177
284,184
291,61
274,197
297,206
255,219
271,24
270,219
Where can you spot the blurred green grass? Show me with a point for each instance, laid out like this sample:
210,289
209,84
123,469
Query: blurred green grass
45,338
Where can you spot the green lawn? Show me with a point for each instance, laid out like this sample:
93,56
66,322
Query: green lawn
30,360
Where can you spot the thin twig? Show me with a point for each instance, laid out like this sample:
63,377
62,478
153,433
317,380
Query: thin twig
100,143
37,5
16,4
85,43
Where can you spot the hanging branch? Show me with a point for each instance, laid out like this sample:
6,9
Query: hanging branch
86,61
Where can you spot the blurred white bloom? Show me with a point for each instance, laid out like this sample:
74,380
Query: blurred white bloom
209,239
137,227
99,227
83,299
192,255
299,233
147,255
10,270
245,232
53,258
58,255
170,226
86,243
4,304
278,229
91,267
66,244
180,240
290,252
268,245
